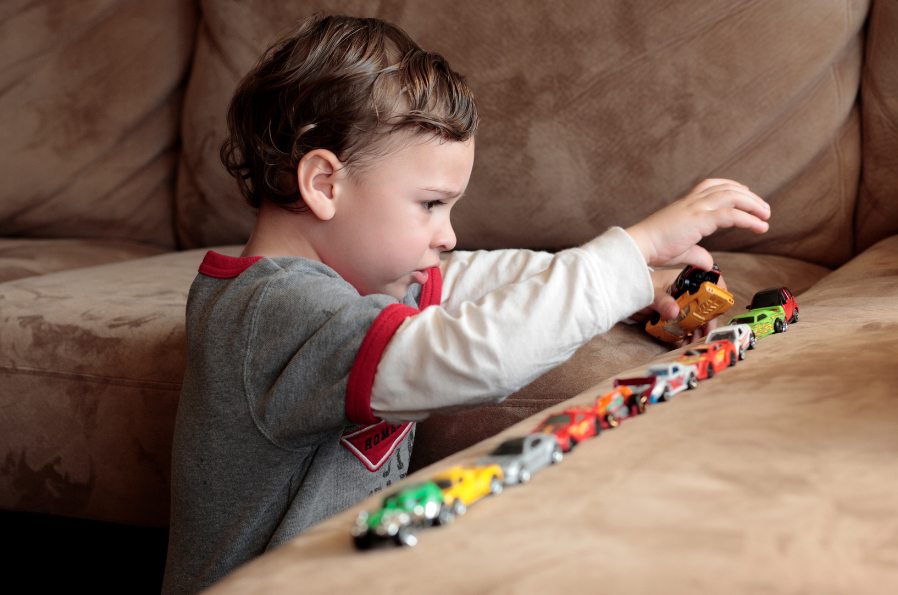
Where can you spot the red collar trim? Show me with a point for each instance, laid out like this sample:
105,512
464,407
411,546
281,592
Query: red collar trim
226,267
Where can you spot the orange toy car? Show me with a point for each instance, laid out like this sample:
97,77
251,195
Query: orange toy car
710,358
617,405
696,308
571,426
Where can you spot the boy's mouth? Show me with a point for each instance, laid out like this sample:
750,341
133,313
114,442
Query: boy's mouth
419,276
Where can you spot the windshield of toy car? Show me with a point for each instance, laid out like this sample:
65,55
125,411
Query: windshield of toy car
443,484
766,300
512,447
726,336
558,419
657,371
743,320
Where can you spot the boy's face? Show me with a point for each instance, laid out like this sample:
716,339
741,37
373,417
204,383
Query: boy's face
392,221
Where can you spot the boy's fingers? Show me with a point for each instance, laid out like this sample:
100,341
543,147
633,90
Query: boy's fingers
711,182
739,218
696,256
737,197
665,305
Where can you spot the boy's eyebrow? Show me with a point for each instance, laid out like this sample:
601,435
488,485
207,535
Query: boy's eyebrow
444,191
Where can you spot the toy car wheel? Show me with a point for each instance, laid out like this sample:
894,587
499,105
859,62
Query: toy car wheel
779,326
598,425
523,475
691,382
665,396
458,507
557,455
405,536
571,443
732,359
365,541
445,517
612,421
638,404
741,353
753,340
794,318
495,486
710,373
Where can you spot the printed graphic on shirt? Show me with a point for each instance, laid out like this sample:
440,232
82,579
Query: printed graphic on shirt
374,444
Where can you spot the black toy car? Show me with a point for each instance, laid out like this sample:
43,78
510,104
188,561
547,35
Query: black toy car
691,278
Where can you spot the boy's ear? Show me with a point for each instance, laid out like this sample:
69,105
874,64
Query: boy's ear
318,173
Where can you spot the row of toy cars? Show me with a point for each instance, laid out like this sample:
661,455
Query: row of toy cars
448,494
701,300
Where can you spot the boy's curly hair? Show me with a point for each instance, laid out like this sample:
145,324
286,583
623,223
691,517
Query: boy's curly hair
338,83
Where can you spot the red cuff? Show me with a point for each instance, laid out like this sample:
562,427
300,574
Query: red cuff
361,377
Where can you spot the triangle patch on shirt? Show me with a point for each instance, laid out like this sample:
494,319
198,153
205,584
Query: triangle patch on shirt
374,444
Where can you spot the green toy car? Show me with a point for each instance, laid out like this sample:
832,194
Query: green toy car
764,321
418,505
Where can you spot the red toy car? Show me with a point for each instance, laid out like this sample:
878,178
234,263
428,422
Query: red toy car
773,297
571,426
710,358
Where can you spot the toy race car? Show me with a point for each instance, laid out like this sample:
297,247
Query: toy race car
710,358
740,335
519,458
464,485
699,299
617,405
662,381
773,297
571,426
764,322
401,514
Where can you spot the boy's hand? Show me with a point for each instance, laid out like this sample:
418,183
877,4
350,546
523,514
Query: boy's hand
665,305
669,237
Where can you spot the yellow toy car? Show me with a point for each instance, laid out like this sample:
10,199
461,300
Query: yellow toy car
465,485
697,307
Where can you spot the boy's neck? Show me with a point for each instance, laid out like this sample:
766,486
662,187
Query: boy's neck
278,232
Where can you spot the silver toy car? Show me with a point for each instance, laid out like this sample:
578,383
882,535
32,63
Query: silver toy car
520,457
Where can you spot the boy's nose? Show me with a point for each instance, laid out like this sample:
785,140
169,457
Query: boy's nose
444,238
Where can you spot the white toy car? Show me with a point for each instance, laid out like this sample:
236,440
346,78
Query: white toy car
663,381
739,335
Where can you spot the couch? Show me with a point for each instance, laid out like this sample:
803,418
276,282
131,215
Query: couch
776,477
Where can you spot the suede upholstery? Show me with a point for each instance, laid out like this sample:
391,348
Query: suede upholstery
569,125
594,114
89,106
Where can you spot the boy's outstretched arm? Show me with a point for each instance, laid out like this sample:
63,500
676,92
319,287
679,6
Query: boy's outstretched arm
480,351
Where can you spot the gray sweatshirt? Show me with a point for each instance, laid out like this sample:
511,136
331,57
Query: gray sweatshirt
290,373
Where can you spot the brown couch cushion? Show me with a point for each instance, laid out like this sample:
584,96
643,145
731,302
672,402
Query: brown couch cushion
877,209
605,356
777,476
93,359
20,258
90,373
596,114
89,111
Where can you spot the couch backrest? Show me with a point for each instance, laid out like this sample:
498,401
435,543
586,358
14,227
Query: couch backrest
595,113
877,212
89,114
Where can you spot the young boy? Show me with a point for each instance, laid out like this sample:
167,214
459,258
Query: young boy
311,354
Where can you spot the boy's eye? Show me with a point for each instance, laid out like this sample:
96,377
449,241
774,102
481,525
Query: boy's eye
430,204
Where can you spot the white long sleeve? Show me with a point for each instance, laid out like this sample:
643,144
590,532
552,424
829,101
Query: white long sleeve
523,323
